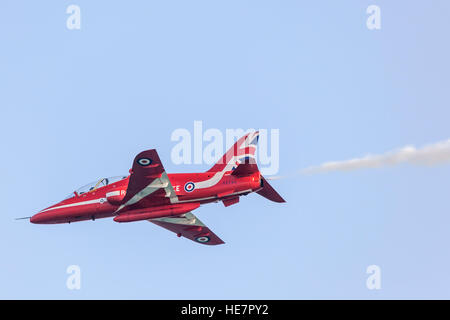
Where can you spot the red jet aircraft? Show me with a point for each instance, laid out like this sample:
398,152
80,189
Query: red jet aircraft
149,193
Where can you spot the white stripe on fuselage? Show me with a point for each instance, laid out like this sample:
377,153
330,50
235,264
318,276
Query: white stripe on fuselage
99,200
218,175
113,193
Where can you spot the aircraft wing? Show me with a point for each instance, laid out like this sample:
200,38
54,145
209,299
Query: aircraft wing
148,182
189,226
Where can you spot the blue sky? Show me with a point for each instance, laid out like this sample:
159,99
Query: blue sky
80,104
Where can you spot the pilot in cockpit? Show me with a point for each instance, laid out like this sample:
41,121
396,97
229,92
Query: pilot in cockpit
95,185
101,183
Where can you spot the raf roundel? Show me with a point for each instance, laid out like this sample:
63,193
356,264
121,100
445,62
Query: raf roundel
202,239
144,161
189,187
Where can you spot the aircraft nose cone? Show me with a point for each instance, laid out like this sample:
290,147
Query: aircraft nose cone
37,218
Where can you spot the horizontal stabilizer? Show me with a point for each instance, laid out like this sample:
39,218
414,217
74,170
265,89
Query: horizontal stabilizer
268,192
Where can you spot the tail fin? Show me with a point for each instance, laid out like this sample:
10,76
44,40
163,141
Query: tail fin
268,192
243,151
240,159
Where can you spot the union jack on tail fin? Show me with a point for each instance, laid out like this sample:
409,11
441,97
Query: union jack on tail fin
240,159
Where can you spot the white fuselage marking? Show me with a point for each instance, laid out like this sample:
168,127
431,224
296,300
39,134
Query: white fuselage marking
99,200
218,175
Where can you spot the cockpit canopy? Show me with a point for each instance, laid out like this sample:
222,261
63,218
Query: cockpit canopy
96,185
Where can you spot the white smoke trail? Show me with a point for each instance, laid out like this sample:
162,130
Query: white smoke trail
430,155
